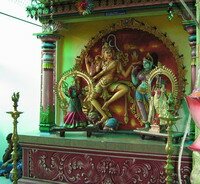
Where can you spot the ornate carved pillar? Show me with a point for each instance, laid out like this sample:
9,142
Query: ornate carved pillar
47,108
190,27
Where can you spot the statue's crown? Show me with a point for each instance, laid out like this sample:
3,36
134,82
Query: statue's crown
149,57
106,47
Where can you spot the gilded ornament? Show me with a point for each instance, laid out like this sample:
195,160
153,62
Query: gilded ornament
164,71
61,85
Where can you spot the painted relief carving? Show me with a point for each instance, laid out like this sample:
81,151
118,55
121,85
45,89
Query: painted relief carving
96,169
114,56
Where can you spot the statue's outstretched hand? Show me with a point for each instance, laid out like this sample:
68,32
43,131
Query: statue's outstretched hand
88,59
134,56
135,69
95,77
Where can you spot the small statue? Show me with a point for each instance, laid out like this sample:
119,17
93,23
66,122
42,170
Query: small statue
75,117
158,106
161,104
138,78
93,118
111,124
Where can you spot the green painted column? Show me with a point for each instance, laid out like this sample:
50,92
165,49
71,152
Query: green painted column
48,63
190,27
195,174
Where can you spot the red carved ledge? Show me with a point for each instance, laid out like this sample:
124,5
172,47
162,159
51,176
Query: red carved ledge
90,166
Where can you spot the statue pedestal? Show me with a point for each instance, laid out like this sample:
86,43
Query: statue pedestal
176,136
155,129
62,130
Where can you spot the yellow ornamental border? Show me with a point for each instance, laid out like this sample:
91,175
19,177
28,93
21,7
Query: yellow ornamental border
132,23
163,70
73,73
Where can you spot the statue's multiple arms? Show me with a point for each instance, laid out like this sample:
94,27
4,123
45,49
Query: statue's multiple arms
134,78
110,66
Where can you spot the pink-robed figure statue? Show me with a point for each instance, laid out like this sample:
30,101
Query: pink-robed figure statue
75,117
193,102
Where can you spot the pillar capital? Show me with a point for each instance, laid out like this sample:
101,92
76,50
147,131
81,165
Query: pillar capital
48,36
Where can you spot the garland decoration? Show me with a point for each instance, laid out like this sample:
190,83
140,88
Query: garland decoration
170,11
36,9
84,7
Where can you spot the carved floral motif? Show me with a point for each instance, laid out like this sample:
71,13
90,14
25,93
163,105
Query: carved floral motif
89,168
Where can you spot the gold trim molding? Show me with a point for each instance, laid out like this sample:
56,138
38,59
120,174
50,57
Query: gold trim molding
135,24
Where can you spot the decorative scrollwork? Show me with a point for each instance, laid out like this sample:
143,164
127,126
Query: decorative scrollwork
61,85
67,166
162,70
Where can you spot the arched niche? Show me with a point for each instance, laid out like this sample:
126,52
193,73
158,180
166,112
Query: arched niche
128,36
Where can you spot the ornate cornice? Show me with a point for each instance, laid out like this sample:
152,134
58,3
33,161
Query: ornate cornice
67,7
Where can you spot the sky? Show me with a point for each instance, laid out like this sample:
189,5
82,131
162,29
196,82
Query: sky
16,8
20,69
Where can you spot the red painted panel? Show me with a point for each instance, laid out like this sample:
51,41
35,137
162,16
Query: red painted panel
87,166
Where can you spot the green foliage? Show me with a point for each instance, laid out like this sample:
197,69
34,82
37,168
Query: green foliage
36,9
170,11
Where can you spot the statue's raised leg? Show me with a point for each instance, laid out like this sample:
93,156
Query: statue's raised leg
121,91
97,105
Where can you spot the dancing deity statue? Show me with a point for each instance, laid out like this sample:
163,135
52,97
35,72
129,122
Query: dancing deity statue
106,70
